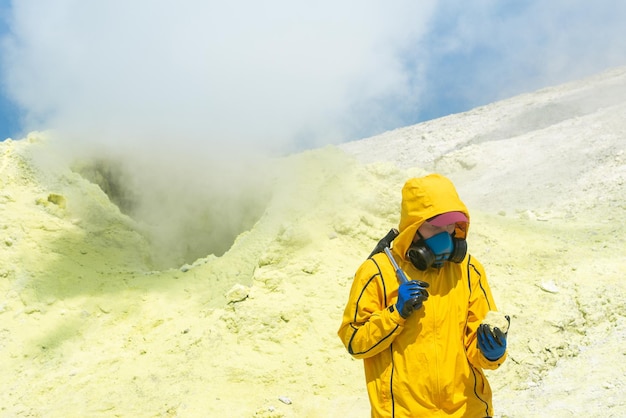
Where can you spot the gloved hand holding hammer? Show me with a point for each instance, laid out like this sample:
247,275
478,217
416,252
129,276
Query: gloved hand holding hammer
411,296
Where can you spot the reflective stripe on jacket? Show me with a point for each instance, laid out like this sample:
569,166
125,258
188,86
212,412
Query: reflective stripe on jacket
427,365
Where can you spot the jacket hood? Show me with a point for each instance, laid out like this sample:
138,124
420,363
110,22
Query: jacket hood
424,198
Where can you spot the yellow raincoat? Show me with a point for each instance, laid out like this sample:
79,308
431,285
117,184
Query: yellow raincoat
428,365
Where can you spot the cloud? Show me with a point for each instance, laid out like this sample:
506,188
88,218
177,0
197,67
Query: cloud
181,95
174,101
205,72
281,76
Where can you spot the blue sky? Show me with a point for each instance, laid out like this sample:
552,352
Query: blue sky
9,114
281,75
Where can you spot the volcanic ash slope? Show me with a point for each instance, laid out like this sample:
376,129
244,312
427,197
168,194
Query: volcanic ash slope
91,328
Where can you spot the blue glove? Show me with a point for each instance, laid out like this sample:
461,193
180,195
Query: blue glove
411,295
492,343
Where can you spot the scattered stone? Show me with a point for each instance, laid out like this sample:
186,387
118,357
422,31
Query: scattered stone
58,200
237,293
6,198
549,287
104,309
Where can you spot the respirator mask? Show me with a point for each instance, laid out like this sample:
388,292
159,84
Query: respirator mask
433,251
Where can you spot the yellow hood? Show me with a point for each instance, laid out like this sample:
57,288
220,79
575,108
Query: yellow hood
424,198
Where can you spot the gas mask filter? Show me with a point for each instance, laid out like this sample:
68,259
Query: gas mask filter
433,251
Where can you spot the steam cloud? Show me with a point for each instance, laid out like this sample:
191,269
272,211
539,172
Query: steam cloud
278,76
184,96
262,74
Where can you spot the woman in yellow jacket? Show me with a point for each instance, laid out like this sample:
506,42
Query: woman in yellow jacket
422,343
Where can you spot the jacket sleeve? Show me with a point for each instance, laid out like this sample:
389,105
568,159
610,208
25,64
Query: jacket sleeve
480,302
369,325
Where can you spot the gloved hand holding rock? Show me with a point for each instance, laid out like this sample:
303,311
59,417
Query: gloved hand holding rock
492,341
411,296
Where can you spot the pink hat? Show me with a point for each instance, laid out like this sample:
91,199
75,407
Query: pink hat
447,218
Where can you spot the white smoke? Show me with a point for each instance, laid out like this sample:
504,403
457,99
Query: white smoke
205,72
186,95
279,75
